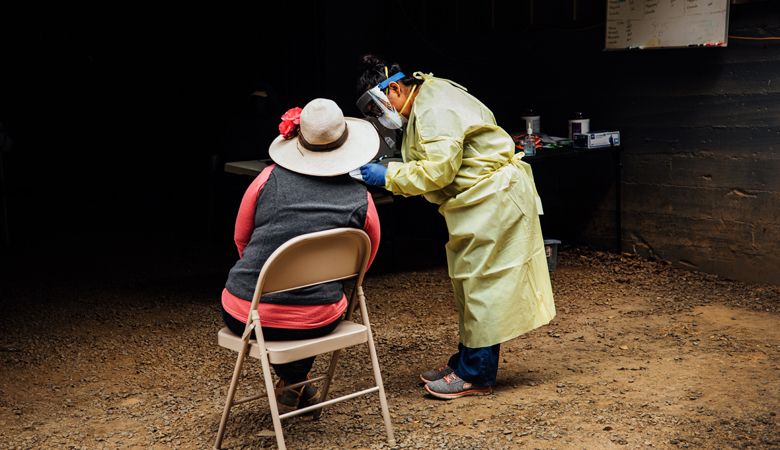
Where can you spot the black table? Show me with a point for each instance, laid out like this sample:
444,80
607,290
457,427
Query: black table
572,183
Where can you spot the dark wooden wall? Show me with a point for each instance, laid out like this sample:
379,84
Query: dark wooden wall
702,165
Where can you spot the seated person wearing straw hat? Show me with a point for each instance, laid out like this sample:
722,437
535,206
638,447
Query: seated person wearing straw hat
308,189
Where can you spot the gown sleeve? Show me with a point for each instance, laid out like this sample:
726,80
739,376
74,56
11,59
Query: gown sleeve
439,138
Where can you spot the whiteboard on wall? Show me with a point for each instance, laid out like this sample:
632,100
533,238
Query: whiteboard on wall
637,24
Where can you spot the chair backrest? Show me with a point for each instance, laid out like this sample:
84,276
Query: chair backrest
315,258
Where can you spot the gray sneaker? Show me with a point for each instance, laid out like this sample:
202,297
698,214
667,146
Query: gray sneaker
435,374
452,386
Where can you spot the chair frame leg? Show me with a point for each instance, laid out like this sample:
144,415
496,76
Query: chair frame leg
269,386
335,356
326,383
231,395
377,371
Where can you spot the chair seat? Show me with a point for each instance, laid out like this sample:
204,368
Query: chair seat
346,334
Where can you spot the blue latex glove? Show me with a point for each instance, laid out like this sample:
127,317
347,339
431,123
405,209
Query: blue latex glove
374,174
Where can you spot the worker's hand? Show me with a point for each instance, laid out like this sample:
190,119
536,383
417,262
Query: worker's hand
374,174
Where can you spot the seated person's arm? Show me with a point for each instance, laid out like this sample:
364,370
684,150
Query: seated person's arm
371,228
245,222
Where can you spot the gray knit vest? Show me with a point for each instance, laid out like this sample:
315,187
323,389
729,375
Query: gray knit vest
289,205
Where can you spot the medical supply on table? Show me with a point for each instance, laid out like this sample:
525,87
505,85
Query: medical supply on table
597,139
534,119
529,146
578,124
540,141
554,142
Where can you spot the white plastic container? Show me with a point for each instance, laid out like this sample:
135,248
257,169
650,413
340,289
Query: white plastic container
578,124
535,122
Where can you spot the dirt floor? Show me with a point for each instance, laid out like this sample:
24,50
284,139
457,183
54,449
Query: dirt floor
641,355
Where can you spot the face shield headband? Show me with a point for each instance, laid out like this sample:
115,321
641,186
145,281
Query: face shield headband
374,103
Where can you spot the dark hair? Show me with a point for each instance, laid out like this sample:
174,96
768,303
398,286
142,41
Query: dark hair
372,72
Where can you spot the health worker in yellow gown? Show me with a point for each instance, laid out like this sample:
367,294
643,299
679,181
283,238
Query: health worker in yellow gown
456,156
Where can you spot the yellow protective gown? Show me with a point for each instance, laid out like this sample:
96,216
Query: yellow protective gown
457,157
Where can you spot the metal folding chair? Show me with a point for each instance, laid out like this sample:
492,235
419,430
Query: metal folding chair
331,255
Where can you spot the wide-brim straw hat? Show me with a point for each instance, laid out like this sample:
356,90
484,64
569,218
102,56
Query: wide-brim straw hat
327,144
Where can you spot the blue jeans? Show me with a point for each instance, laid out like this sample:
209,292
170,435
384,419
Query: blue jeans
477,366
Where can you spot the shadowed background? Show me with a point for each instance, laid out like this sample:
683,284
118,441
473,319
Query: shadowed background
121,120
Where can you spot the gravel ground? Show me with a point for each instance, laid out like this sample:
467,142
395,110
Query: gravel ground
641,355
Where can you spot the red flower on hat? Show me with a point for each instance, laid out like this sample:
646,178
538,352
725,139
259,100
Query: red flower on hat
291,120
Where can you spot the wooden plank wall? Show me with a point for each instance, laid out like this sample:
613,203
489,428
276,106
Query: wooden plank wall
701,130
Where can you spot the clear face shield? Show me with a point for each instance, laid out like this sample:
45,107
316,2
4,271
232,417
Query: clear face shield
374,103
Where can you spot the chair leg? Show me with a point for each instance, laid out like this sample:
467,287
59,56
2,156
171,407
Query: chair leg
269,386
382,397
231,395
326,384
377,372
